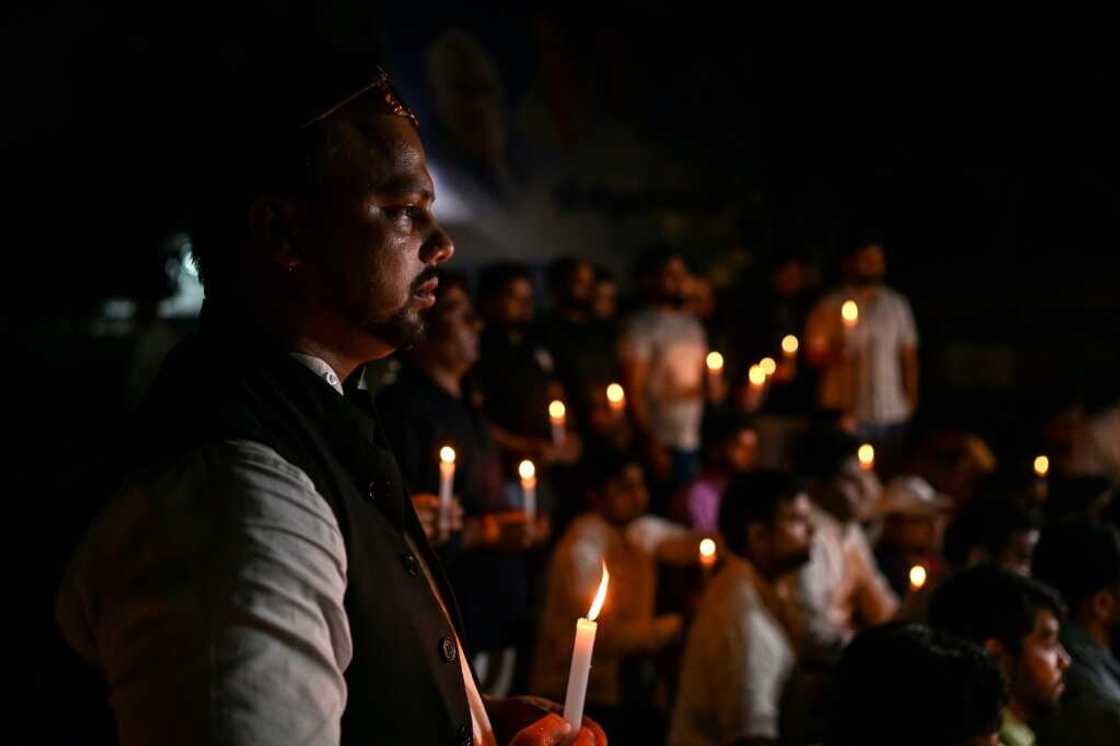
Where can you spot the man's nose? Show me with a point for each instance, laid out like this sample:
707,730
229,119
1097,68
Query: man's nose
438,248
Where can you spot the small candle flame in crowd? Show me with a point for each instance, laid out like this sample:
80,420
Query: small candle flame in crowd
790,345
715,362
850,312
616,397
1041,466
600,595
866,455
557,411
768,365
917,577
707,554
756,375
527,470
447,455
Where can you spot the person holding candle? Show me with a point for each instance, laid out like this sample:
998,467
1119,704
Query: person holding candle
730,448
428,408
613,532
868,365
913,516
739,655
662,353
260,575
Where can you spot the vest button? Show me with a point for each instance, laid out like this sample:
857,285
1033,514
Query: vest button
466,738
448,650
410,564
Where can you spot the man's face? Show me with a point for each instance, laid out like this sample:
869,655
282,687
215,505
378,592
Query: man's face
869,264
624,497
606,299
672,281
789,537
514,306
370,242
1017,556
454,331
740,451
1036,674
579,287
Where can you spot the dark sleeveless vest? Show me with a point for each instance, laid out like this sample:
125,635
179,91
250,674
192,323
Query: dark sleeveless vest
404,682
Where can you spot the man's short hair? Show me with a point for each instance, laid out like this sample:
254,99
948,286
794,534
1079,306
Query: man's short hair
606,465
753,498
653,259
1079,557
907,683
561,270
495,279
987,523
984,603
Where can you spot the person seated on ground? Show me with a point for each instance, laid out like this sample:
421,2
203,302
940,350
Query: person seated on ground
914,517
841,589
998,530
1080,557
611,533
739,654
906,683
1017,621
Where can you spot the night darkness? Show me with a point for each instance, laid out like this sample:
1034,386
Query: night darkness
987,159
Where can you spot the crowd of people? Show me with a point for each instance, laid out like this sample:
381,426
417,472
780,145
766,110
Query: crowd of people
310,547
662,447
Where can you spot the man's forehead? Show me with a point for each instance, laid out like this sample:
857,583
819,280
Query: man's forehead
387,150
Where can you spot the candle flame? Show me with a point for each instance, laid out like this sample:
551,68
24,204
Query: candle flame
707,548
850,311
917,577
768,365
866,455
615,394
600,595
447,455
756,375
790,344
715,361
526,469
1041,466
557,410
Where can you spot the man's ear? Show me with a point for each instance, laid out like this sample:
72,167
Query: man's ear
996,649
273,221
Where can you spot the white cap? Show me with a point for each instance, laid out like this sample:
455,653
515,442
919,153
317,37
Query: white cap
912,495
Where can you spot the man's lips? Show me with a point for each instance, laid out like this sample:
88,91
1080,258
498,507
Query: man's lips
425,292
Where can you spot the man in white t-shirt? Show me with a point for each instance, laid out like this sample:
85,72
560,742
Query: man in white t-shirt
863,338
662,352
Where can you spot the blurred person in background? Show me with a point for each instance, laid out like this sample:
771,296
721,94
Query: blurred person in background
1017,620
739,655
730,448
909,684
662,353
869,366
914,517
605,297
1080,557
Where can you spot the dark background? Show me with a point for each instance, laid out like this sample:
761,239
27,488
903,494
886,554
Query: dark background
985,152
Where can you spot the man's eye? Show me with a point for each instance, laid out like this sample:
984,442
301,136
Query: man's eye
401,213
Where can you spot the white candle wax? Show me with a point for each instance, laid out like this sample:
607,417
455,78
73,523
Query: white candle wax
528,474
557,417
578,674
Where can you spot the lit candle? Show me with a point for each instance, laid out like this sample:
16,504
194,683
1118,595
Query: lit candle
849,312
866,455
757,376
917,577
581,659
1041,466
616,397
769,366
557,414
715,369
528,474
707,555
446,479
790,346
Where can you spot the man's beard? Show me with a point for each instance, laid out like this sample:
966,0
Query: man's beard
406,326
792,562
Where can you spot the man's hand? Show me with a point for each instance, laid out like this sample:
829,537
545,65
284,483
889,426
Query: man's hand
532,721
437,527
